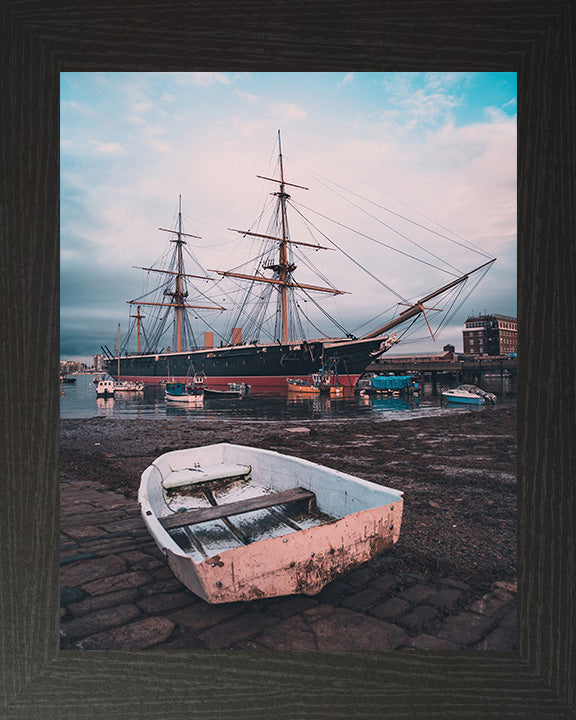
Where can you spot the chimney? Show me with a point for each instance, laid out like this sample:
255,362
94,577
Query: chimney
208,339
236,336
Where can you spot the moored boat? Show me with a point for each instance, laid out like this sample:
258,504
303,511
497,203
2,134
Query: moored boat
240,523
234,390
297,385
128,386
325,382
469,395
392,385
105,388
183,392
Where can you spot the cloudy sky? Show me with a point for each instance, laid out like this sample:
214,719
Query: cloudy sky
411,175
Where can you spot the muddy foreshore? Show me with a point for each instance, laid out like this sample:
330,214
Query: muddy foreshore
457,472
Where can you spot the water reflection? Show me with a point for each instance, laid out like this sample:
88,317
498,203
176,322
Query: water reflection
80,401
105,405
383,404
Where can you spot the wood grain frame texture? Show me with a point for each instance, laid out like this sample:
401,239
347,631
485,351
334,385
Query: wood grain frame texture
40,39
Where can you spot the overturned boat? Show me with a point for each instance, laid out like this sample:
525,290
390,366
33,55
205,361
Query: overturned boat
240,523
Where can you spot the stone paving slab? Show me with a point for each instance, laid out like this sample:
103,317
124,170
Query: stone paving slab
118,593
139,635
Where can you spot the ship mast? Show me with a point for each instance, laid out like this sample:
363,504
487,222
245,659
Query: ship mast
179,295
283,268
139,319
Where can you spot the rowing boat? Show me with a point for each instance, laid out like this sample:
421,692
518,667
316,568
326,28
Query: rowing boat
240,523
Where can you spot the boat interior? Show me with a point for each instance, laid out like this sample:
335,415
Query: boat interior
222,497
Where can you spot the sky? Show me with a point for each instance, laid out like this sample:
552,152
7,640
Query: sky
411,175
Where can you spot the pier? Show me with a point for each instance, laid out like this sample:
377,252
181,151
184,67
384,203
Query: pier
446,368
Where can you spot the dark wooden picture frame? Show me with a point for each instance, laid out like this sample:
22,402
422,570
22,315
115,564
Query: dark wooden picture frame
41,39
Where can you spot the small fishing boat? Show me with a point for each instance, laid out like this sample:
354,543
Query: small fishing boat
235,390
240,523
469,395
325,382
184,392
105,388
297,385
128,386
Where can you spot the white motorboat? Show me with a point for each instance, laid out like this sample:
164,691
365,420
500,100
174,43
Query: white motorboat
470,395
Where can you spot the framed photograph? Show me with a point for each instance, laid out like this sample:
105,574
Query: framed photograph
46,674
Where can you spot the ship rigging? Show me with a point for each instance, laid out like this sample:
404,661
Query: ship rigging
270,299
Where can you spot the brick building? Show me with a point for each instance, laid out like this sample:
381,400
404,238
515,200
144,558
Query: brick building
490,335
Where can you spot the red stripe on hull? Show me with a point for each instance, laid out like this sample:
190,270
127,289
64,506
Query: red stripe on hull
266,382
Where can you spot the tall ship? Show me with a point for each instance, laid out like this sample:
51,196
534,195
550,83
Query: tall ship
273,294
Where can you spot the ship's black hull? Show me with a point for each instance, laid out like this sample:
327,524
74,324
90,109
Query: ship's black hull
258,365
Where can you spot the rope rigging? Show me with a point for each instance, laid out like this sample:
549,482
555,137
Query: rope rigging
267,312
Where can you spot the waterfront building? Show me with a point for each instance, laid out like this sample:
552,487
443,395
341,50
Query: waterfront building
72,366
490,335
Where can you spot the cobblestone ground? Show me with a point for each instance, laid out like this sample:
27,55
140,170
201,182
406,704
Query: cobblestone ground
117,592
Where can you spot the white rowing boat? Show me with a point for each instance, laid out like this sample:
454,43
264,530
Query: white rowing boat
240,523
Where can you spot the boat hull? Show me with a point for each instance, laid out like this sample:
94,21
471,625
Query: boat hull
463,399
302,563
190,399
365,520
260,366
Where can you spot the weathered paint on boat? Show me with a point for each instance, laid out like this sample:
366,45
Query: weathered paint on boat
360,520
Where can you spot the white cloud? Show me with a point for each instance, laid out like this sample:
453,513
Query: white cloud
288,112
496,114
148,134
348,78
77,107
142,107
443,81
417,101
110,148
247,96
200,79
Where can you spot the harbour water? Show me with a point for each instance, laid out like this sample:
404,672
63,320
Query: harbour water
79,401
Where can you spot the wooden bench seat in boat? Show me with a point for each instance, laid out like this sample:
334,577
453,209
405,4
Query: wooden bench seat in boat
204,473
193,517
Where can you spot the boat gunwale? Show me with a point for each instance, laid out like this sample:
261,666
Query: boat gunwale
161,535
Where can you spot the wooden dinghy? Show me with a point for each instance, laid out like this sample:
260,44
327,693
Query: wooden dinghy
239,523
